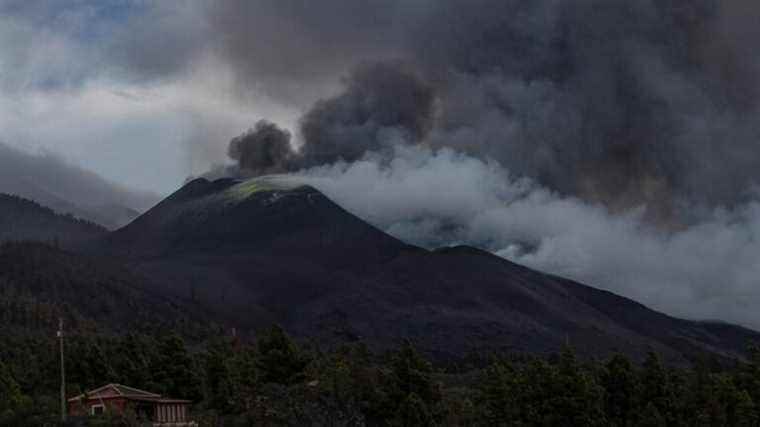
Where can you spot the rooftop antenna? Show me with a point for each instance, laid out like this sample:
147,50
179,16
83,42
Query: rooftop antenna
63,370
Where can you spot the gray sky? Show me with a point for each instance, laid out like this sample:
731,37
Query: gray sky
131,90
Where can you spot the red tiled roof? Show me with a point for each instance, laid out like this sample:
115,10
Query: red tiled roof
119,390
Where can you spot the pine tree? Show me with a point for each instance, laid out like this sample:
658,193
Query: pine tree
176,370
11,398
577,398
749,376
132,361
219,387
412,412
279,360
651,417
621,390
500,392
98,365
744,411
411,373
656,387
245,378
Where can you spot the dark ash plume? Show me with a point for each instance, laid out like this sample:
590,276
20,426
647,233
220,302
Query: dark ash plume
616,101
383,104
621,102
265,149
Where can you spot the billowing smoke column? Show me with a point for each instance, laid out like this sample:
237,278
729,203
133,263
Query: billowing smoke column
621,102
265,149
383,105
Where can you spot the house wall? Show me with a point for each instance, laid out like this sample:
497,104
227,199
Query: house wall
84,408
171,412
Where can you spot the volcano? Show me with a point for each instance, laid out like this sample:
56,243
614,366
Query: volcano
269,250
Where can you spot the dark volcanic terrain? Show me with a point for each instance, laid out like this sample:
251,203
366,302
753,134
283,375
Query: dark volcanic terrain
269,250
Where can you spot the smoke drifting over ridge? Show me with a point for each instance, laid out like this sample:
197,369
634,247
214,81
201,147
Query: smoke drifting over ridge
709,270
614,142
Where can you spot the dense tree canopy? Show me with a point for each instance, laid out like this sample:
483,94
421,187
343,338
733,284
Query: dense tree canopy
276,381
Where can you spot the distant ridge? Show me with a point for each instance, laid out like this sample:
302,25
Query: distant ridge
22,219
66,188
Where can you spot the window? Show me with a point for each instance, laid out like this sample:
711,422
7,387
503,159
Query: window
97,409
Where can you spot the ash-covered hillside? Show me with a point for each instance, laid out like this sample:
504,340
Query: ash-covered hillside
271,251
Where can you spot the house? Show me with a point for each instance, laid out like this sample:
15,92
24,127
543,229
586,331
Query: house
117,398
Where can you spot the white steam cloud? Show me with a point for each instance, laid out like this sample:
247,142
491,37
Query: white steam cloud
710,270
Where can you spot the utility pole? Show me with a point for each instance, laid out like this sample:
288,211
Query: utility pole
63,371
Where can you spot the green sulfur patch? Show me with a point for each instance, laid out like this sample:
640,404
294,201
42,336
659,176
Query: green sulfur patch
250,187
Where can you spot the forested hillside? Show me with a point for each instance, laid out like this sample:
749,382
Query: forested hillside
40,283
277,382
22,219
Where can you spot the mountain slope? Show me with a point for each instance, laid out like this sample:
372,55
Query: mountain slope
40,283
22,219
270,215
269,250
